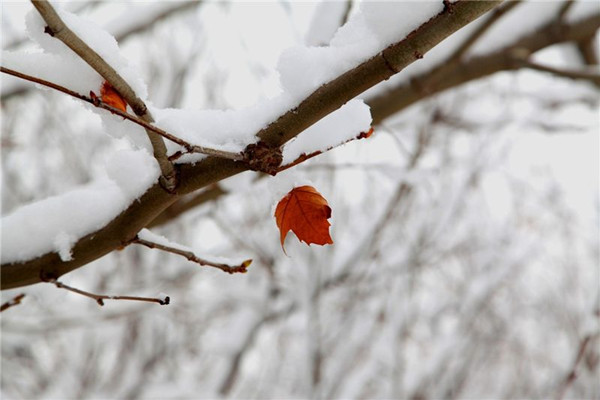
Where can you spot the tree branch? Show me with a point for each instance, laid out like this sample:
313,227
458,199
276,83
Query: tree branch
58,29
384,65
190,148
320,103
422,86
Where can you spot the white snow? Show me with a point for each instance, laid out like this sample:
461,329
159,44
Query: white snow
56,223
94,36
64,242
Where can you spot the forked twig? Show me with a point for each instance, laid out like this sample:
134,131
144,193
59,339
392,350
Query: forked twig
12,302
190,148
101,297
241,268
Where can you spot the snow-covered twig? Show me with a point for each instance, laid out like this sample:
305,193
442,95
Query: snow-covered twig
101,297
230,269
190,148
12,302
58,29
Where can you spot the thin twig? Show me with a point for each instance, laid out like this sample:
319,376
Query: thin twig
303,157
242,268
572,375
483,28
13,302
58,29
101,297
190,148
564,9
589,76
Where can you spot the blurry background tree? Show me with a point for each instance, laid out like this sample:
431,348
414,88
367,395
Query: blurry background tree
466,253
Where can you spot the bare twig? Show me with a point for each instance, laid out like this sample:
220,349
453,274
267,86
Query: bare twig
190,148
12,302
101,297
564,9
303,157
482,29
572,374
58,29
583,75
241,268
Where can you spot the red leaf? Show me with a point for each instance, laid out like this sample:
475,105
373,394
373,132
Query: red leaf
111,97
305,212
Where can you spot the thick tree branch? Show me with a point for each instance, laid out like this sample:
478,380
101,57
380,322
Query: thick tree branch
323,101
384,65
57,28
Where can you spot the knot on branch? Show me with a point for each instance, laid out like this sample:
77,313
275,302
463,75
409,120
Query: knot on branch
49,31
262,157
448,6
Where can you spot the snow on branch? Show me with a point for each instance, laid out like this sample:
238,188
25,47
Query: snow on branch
387,51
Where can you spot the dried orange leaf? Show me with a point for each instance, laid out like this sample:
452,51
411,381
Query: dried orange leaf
111,97
305,212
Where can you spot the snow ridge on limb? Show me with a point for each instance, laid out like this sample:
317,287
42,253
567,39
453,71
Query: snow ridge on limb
320,103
